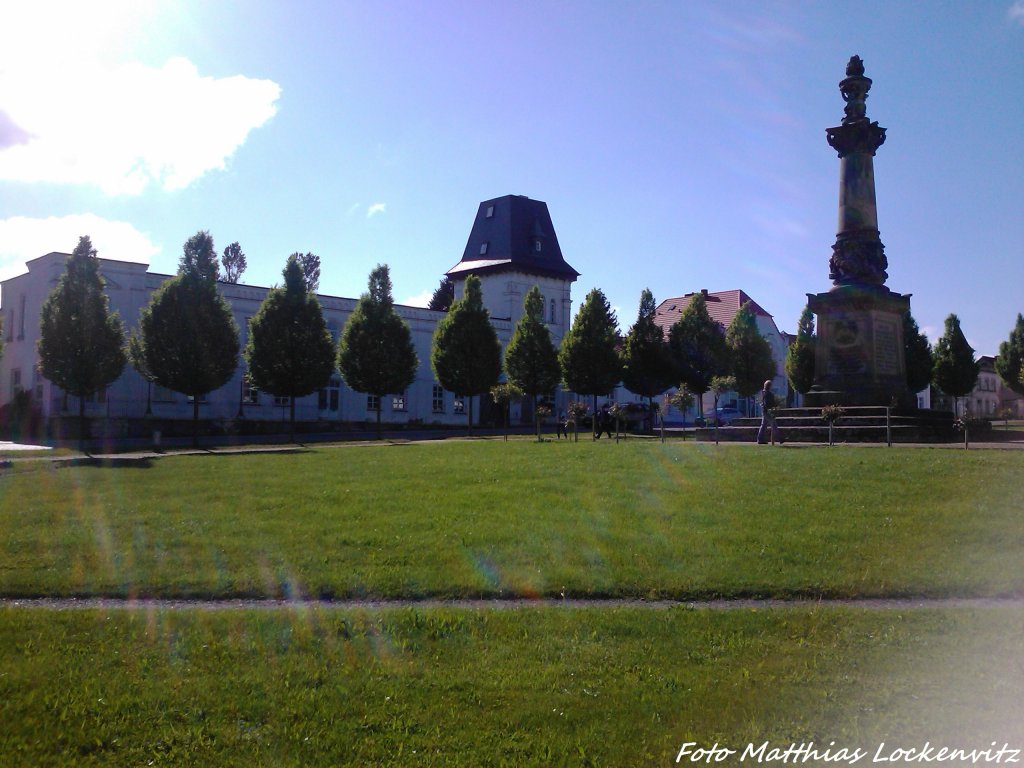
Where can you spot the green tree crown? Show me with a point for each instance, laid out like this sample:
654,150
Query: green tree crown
588,355
188,335
917,355
956,370
290,352
199,257
647,367
752,361
375,352
81,342
310,264
443,296
233,262
531,360
1010,362
698,348
800,355
466,354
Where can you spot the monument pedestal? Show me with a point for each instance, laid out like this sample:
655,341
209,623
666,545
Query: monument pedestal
859,357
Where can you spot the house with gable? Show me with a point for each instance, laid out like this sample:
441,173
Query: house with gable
722,307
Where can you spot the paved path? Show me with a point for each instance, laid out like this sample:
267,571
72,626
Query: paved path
868,603
146,454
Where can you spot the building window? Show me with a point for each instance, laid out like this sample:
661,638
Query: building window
281,401
437,399
459,406
536,246
15,381
552,321
483,249
21,323
99,397
10,325
372,402
398,402
330,396
490,212
203,398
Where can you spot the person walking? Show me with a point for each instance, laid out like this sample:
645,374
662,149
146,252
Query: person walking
767,417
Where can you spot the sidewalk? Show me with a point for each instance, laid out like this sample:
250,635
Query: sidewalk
279,444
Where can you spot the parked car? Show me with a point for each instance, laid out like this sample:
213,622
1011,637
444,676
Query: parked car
726,416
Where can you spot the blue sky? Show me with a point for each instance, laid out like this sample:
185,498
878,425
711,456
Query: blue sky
679,145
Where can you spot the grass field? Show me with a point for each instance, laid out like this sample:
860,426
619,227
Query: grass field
539,686
492,519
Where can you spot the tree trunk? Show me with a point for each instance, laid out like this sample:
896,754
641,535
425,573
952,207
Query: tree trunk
536,417
291,420
149,398
380,399
594,431
469,415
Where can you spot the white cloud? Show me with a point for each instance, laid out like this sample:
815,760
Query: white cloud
376,208
127,127
1016,12
352,209
23,239
421,299
78,107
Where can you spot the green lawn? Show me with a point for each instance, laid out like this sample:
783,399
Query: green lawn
539,687
486,518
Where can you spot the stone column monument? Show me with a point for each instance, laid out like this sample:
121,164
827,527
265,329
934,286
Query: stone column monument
860,353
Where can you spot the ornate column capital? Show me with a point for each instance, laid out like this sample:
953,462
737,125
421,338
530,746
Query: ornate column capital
855,136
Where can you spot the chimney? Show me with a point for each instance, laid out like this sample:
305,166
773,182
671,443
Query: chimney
704,292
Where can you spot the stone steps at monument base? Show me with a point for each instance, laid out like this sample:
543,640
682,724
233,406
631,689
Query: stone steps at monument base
858,433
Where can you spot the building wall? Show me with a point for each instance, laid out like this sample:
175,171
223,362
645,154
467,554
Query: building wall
504,293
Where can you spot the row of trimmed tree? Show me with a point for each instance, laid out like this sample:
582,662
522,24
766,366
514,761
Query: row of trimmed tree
950,365
187,341
593,358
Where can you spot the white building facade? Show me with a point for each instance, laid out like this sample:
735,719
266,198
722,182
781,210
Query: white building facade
130,285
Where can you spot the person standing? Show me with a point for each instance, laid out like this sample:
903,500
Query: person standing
767,417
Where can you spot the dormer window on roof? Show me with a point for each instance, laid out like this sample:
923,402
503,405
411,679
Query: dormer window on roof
483,249
536,245
490,212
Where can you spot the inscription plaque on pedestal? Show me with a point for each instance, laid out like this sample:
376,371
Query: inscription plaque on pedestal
887,362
